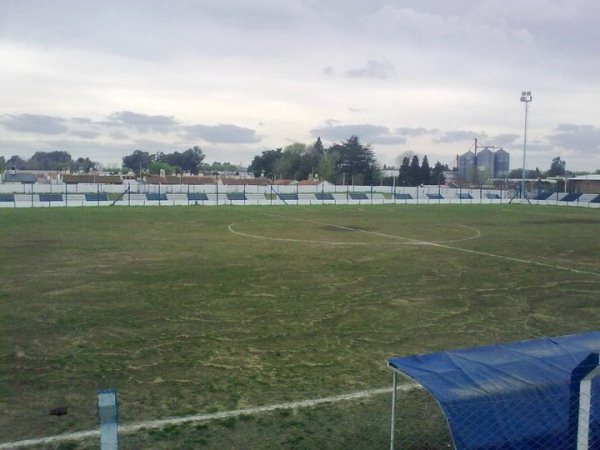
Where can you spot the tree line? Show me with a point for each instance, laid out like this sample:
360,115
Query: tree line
413,173
349,162
141,162
558,168
56,160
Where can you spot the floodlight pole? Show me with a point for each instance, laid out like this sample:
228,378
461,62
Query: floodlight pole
526,98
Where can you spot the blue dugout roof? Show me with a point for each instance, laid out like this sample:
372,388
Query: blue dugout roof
511,396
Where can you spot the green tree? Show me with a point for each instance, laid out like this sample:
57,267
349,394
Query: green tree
537,173
437,173
220,167
404,172
56,160
515,173
414,172
357,161
557,168
2,163
318,147
191,160
310,160
425,172
328,167
265,164
174,159
15,162
83,165
288,165
137,161
156,166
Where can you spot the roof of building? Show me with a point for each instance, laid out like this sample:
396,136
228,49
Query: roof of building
92,178
245,181
312,182
19,177
591,177
168,179
281,182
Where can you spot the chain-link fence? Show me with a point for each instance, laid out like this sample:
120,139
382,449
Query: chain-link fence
364,423
357,423
541,418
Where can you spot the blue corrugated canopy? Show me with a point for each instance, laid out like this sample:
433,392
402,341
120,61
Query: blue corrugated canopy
511,396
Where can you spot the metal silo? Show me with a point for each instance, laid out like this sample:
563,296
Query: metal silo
467,166
502,164
485,165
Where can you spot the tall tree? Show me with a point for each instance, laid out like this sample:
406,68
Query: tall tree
318,147
310,160
328,167
425,171
191,160
174,160
557,168
404,172
265,164
414,172
137,161
357,161
288,166
56,160
437,173
156,166
2,163
83,165
16,162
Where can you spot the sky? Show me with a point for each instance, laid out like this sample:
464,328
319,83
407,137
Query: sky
101,79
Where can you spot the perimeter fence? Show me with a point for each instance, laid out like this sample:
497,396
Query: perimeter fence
361,422
138,194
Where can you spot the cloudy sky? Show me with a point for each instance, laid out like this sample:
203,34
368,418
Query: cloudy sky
235,77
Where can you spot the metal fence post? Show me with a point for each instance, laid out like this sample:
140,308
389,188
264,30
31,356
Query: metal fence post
393,424
580,401
108,415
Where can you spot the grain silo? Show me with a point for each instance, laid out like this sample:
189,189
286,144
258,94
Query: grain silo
485,165
502,164
467,166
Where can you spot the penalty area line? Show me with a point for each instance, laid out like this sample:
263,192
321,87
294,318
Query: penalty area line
160,423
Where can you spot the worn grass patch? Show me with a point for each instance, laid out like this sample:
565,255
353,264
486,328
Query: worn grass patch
183,316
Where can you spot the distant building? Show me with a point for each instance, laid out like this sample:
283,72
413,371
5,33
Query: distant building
389,172
589,184
483,166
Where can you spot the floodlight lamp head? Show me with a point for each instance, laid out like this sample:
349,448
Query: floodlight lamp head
526,96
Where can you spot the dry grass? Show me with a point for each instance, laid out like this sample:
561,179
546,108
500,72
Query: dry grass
182,316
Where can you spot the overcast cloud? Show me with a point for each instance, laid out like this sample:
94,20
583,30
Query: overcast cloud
101,79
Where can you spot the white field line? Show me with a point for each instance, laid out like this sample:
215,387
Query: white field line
153,424
476,252
476,235
450,247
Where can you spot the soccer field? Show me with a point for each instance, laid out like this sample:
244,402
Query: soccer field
191,310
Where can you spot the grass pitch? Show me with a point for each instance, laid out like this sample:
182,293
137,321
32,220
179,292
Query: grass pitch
187,310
